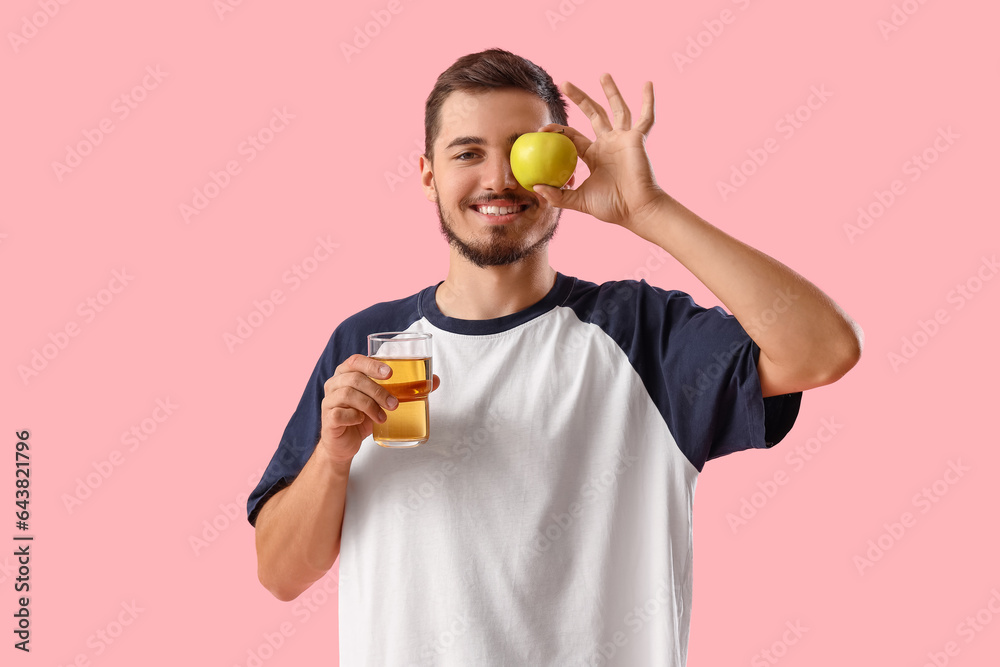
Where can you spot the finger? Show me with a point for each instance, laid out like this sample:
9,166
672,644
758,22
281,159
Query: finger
359,420
558,197
437,383
349,398
595,112
645,123
579,139
360,382
362,364
623,117
343,417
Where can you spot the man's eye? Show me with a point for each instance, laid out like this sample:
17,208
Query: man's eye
465,153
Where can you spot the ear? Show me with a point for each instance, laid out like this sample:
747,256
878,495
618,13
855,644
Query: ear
427,179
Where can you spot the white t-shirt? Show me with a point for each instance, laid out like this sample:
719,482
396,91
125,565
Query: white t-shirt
548,518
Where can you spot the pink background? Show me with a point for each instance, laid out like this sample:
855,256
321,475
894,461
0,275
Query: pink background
131,541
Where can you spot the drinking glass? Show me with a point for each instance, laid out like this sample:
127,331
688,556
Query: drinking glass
408,354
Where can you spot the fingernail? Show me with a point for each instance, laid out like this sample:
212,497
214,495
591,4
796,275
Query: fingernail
384,370
392,402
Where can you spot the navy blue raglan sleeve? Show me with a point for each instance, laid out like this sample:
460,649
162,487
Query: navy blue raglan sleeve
700,368
713,393
300,436
302,432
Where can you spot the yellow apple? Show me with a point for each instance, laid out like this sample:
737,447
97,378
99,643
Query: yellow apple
547,158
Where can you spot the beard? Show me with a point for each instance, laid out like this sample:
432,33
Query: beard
501,248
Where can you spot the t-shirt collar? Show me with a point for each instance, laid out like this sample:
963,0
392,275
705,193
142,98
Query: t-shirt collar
427,307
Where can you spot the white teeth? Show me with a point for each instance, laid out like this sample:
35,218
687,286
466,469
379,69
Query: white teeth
499,210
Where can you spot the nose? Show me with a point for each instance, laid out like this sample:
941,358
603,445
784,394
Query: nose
497,174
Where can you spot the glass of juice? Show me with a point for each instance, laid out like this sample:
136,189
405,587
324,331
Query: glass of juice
408,354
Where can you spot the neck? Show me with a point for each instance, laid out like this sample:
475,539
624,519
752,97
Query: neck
473,293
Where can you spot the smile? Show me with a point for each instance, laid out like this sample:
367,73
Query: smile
499,214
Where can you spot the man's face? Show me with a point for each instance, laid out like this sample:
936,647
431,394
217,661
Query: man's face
472,169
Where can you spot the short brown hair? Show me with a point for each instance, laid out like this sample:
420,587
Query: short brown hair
488,70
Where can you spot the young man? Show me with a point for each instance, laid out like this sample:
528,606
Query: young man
550,511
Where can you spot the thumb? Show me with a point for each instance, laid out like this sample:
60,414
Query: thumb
556,196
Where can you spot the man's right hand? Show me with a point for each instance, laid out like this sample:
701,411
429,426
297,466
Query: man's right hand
352,403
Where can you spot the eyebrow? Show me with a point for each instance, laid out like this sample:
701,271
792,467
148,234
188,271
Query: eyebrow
468,140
